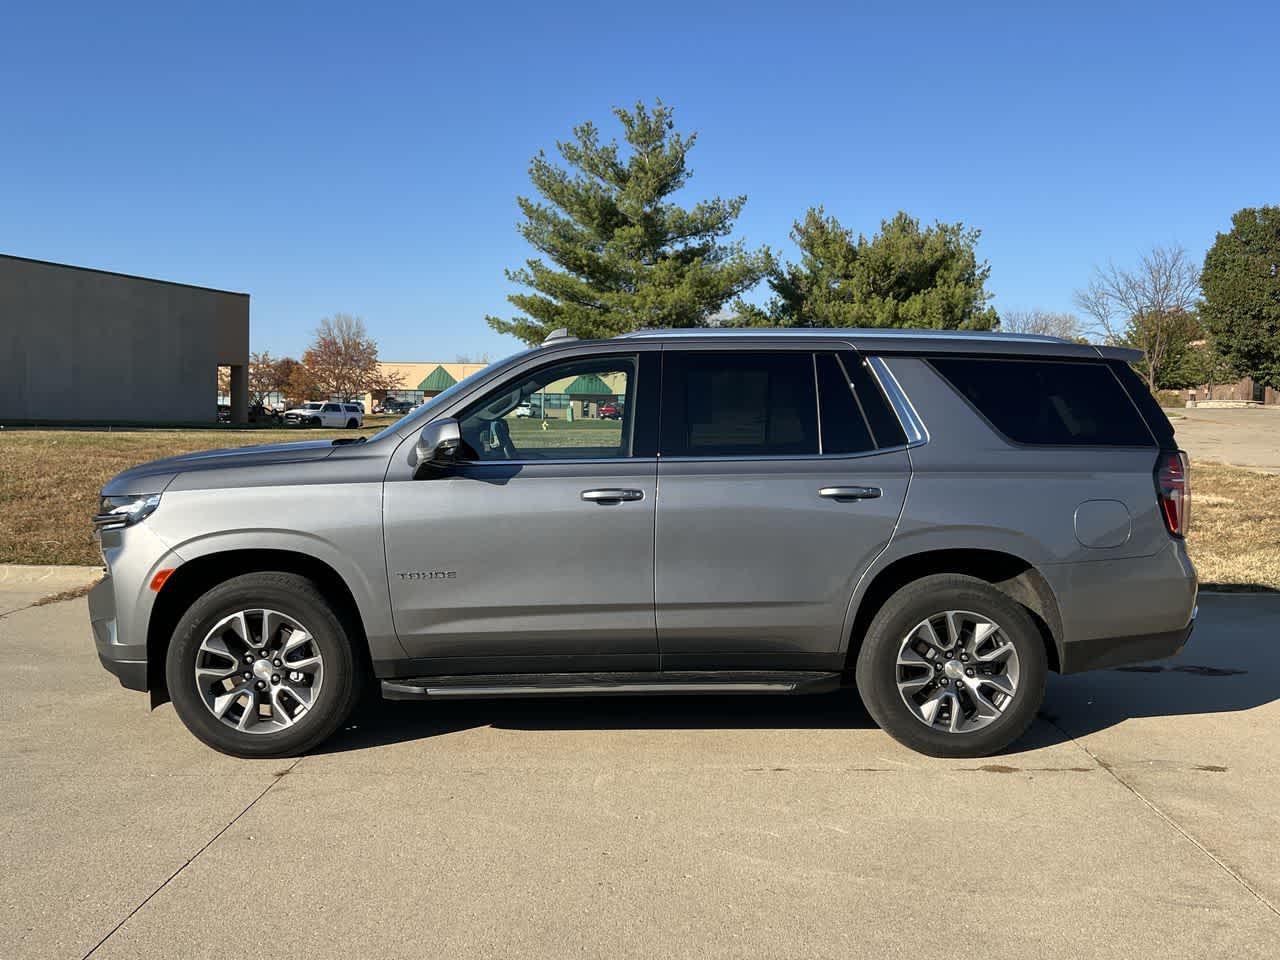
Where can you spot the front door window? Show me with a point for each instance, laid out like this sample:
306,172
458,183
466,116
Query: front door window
578,409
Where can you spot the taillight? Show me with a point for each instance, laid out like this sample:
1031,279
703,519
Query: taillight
1173,490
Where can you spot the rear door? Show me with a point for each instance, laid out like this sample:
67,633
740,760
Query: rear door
781,476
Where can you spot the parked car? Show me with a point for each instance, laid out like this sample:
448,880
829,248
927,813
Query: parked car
942,518
524,410
397,406
224,413
609,410
330,414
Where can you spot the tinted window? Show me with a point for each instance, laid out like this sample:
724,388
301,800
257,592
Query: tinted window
1048,402
574,410
884,424
1146,403
738,404
844,428
331,408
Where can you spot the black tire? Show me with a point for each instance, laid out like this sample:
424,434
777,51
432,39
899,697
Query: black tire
877,670
352,424
296,597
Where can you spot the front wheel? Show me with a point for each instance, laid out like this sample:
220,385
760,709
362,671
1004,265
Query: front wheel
951,667
261,666
352,424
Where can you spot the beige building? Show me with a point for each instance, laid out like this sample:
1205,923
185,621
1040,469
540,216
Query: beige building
422,380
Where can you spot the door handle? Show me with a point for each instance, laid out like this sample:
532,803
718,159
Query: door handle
845,494
611,496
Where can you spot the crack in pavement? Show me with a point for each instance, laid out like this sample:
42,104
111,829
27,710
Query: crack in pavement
276,778
1166,818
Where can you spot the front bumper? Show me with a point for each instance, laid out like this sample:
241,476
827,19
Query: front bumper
120,604
128,661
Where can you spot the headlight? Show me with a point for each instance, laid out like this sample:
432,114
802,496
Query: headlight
125,511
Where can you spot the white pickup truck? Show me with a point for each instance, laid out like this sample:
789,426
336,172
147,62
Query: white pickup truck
332,414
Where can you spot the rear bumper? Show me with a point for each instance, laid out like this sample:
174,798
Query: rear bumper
1118,612
1122,651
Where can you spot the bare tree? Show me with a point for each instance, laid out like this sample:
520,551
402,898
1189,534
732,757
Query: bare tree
1042,322
1151,307
342,360
268,375
485,358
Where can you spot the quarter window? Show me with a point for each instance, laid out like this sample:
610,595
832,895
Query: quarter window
1048,402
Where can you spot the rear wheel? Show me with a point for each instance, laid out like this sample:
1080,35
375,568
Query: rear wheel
352,424
951,667
261,666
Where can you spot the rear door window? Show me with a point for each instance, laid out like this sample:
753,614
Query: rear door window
844,428
739,404
1048,402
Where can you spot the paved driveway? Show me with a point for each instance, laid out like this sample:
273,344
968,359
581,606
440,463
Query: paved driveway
1242,437
1141,818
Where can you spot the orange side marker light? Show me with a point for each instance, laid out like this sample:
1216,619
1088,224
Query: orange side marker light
161,576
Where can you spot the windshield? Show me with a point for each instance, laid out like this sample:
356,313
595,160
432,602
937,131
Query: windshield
424,413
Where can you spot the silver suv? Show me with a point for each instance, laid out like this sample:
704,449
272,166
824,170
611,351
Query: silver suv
942,517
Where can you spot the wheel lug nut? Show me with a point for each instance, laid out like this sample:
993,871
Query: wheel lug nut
275,678
969,672
260,685
276,661
248,675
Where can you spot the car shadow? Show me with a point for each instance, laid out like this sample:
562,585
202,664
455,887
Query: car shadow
1229,666
381,722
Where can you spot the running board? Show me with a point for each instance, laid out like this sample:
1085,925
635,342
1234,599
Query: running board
494,686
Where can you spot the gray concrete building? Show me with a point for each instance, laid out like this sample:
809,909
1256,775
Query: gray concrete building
89,345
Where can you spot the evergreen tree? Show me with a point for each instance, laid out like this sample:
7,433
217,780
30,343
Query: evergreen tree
617,254
904,276
1241,288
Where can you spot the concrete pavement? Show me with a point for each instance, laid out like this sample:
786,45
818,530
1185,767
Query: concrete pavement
1241,437
22,585
1140,818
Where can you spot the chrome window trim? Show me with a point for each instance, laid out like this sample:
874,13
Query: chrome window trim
559,462
917,433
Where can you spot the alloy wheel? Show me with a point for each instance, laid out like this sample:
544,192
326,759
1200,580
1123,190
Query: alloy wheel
957,671
258,671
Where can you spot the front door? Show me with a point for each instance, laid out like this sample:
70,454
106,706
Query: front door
537,553
777,490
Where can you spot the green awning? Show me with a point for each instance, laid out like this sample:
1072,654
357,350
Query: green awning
437,381
588,385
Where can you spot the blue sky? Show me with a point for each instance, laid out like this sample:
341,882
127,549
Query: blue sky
365,157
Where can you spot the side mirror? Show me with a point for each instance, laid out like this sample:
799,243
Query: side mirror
438,446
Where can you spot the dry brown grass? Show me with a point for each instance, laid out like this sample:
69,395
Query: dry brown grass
49,480
1235,527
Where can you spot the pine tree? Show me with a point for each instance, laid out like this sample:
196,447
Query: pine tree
904,276
618,254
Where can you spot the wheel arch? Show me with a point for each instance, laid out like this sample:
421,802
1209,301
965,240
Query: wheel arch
1012,575
195,577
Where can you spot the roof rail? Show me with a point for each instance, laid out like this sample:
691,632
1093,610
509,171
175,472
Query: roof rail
558,335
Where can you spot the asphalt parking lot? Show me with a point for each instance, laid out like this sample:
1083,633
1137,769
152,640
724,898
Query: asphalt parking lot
1141,818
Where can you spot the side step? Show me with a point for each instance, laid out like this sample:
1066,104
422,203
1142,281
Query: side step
499,685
